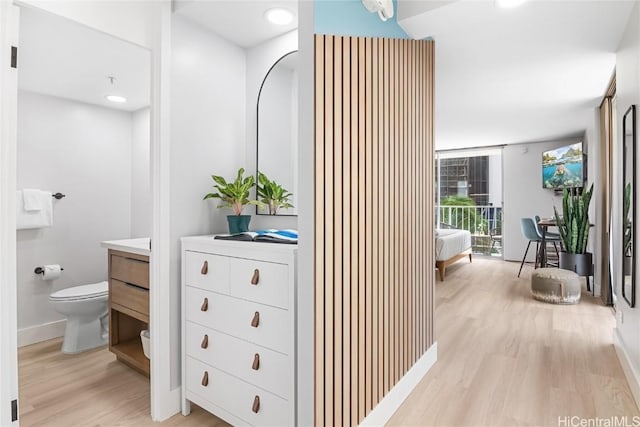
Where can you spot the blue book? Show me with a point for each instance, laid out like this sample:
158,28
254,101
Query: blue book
267,236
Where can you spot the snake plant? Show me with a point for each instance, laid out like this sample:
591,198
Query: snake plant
574,225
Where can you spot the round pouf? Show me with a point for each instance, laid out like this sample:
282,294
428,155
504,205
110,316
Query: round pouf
555,286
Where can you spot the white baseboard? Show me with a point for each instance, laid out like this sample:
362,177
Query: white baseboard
384,410
39,333
633,378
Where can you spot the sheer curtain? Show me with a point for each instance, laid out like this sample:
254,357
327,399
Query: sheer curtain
607,133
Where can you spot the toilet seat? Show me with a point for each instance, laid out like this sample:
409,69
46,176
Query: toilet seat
83,292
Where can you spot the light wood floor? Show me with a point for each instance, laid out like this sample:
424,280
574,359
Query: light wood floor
505,359
90,389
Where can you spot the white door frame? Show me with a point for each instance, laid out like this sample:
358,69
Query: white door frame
9,21
165,397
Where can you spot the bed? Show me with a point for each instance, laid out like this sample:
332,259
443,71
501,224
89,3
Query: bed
451,246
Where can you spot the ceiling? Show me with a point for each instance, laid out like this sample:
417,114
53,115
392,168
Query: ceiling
241,22
531,73
61,58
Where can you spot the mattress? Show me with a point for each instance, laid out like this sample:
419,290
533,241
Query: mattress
450,243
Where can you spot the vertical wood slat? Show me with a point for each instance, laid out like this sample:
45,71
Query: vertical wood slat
346,194
353,215
386,285
393,191
374,220
329,352
361,361
368,249
378,173
337,216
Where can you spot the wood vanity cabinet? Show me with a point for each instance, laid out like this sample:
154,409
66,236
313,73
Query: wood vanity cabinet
128,307
238,330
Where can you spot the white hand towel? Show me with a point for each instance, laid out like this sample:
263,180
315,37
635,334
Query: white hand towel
32,200
34,219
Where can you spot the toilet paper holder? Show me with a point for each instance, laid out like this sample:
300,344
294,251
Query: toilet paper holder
40,270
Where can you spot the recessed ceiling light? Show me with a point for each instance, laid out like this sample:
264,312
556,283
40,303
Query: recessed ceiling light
279,16
116,98
509,3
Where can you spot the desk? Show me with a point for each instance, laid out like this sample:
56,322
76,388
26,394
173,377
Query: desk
544,224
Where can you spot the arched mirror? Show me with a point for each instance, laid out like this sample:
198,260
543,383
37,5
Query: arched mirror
629,206
278,131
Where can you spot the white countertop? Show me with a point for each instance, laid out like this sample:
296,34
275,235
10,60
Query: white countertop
135,246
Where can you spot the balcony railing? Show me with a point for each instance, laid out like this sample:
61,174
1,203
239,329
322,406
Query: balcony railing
483,222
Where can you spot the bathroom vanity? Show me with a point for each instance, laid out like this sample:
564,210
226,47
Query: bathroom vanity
128,300
238,329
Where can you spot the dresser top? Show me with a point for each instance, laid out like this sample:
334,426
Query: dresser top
210,241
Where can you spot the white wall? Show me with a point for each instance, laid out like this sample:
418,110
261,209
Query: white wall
83,151
140,173
523,193
260,58
627,332
208,136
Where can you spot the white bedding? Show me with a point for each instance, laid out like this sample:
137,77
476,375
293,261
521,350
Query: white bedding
450,243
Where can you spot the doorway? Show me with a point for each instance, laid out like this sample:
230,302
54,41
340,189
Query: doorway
83,131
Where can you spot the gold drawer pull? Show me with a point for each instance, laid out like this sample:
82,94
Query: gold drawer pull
205,341
205,379
256,277
205,305
256,320
205,267
256,362
256,404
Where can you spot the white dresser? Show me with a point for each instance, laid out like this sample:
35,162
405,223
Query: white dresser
238,330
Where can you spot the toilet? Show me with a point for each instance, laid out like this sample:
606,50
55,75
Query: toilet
86,310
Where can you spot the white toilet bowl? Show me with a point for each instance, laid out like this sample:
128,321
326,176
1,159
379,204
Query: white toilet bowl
86,310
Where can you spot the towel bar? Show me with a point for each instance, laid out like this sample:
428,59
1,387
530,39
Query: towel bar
58,196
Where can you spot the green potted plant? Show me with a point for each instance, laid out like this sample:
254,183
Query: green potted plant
234,195
272,194
573,228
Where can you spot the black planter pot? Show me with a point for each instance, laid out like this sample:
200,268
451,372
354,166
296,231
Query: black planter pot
238,223
581,264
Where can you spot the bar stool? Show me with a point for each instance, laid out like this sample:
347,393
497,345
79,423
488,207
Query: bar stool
530,232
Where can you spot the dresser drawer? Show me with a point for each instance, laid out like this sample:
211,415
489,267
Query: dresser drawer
207,271
263,282
130,270
129,296
236,396
235,317
239,358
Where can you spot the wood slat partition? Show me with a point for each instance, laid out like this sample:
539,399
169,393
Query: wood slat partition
374,277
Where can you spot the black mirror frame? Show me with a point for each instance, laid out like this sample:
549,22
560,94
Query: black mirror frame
258,132
632,111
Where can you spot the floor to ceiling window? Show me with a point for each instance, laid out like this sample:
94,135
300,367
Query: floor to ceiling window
469,196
